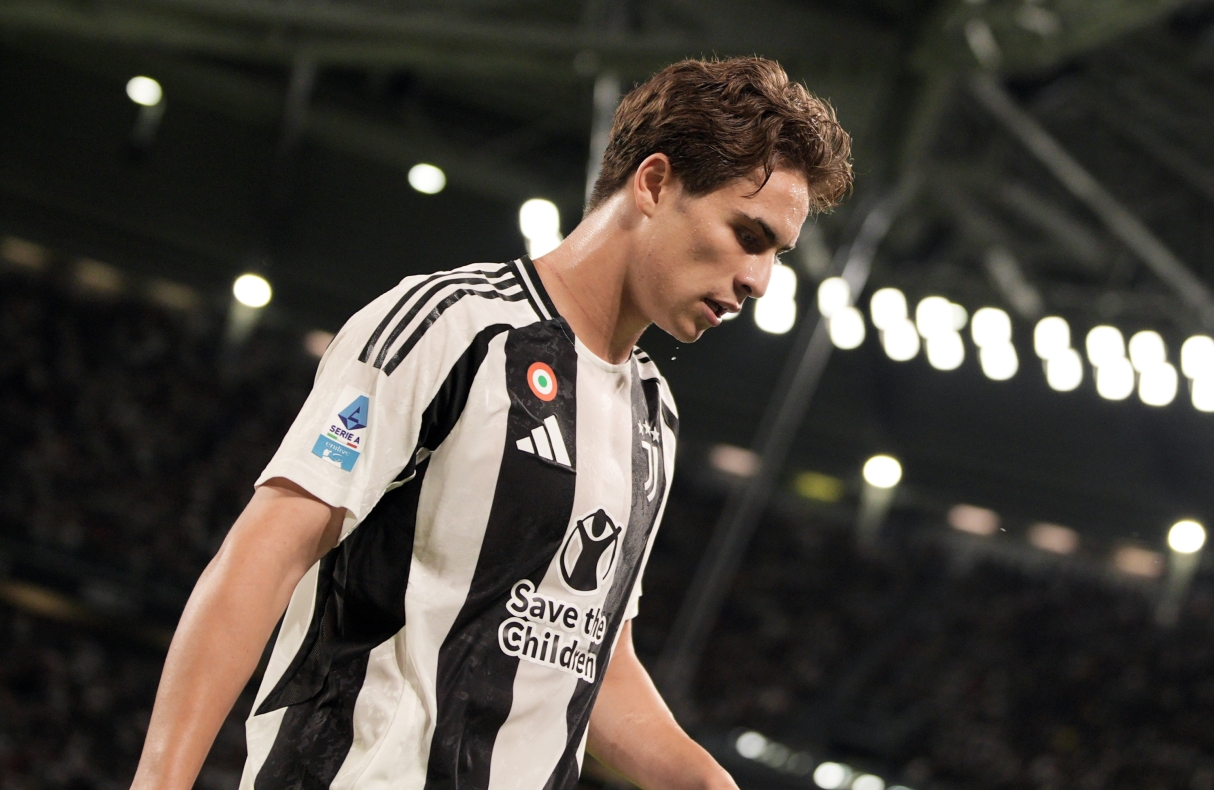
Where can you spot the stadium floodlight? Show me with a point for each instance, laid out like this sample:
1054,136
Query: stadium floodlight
991,326
540,222
1052,337
783,284
430,180
1203,394
1105,345
751,744
1064,370
945,351
959,316
846,328
831,776
144,91
882,471
934,316
1115,379
999,362
888,308
252,290
1197,357
1157,384
867,782
901,341
1147,349
833,294
775,316
1186,537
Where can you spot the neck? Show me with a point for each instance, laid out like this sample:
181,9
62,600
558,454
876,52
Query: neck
587,279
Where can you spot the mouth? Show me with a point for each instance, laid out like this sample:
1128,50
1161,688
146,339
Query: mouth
716,310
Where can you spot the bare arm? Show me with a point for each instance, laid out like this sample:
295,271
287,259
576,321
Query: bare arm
633,732
235,604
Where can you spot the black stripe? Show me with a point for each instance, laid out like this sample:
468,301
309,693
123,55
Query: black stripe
429,320
417,307
532,503
387,319
534,275
359,605
646,403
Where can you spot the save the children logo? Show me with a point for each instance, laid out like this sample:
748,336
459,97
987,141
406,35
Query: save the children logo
548,631
589,553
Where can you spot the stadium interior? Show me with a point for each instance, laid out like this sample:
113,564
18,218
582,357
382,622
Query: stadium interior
937,520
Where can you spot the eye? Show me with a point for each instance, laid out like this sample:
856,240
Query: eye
749,241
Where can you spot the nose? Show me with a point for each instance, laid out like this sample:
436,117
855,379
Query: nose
752,280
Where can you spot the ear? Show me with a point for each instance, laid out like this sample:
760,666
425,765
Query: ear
654,180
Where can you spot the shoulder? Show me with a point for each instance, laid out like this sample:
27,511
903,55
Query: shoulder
648,370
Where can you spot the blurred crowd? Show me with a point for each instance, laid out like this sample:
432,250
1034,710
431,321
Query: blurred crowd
134,442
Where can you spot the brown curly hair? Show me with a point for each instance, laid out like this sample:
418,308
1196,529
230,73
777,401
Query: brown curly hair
719,120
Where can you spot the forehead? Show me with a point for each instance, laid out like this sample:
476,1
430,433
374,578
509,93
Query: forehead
783,202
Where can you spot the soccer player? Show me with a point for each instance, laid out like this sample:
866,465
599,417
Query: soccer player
452,534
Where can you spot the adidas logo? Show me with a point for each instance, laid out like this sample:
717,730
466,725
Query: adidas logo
546,442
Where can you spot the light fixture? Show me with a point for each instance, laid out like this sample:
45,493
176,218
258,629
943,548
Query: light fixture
1115,379
959,316
945,351
934,316
990,327
846,328
1138,561
1203,394
973,519
1186,537
540,222
831,776
734,460
776,311
1051,337
1054,538
430,180
317,342
144,91
1105,345
834,294
1197,357
252,290
1157,384
750,744
882,471
888,308
867,782
999,362
1064,370
1146,349
900,340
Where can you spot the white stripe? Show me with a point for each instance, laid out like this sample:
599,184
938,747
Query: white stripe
558,441
525,445
522,270
541,442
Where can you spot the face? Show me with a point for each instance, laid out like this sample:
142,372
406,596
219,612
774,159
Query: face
700,257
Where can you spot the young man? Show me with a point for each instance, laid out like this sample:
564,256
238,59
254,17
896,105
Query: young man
457,522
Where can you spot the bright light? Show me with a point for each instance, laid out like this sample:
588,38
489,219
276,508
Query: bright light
934,316
430,180
1054,537
776,316
750,744
1197,357
783,284
1064,370
888,307
868,782
1138,561
1147,349
973,519
833,294
317,342
991,327
737,461
1051,337
945,351
901,341
1186,537
847,328
1115,379
1203,394
959,316
830,776
540,222
145,91
882,471
999,362
252,290
1105,345
1157,384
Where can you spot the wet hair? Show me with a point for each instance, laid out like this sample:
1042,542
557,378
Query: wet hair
720,120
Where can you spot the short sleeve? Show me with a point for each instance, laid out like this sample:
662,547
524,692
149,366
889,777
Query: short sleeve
360,428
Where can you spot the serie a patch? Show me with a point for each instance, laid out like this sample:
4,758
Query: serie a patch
341,440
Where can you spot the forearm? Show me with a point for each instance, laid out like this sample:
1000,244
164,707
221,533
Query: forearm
633,732
219,640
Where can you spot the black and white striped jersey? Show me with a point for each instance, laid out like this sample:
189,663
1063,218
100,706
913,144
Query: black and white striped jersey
503,487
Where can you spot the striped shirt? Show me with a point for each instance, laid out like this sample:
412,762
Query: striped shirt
503,486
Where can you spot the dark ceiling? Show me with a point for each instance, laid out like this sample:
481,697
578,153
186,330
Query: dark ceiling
500,94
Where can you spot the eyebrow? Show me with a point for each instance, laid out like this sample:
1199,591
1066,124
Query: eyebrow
770,234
